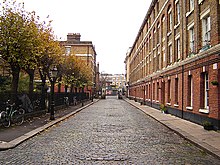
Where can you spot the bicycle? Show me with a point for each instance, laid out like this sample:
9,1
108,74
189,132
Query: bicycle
74,100
12,114
66,102
36,105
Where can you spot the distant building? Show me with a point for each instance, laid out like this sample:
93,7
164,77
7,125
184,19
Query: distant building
117,80
175,59
127,71
112,82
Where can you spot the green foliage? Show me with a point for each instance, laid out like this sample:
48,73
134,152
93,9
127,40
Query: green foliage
13,33
23,83
5,84
206,123
76,71
163,108
25,42
214,82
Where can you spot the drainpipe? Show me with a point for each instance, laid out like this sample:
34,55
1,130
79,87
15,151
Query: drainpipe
182,89
183,19
144,91
151,92
87,55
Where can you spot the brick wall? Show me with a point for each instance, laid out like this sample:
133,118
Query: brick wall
149,51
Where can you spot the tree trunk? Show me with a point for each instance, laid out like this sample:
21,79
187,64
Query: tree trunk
31,83
59,85
71,88
15,80
66,87
43,90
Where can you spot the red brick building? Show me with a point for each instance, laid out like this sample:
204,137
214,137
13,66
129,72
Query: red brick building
175,59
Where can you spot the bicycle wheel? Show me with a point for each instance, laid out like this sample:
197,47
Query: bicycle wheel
67,103
5,119
17,116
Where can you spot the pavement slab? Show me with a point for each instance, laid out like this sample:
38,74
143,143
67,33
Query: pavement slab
208,140
14,135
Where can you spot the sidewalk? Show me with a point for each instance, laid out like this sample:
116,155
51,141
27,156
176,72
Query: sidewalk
14,135
208,140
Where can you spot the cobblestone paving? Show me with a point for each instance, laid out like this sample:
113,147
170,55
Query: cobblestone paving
108,132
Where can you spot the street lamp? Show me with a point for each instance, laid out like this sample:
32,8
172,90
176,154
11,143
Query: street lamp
93,90
82,94
53,77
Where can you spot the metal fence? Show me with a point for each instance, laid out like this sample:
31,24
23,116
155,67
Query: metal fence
36,100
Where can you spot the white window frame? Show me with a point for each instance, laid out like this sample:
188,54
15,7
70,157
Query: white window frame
169,92
158,34
67,50
164,54
191,91
206,99
170,53
178,12
191,39
170,20
190,106
178,48
191,5
206,30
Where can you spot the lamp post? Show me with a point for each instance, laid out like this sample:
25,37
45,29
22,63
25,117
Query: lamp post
127,90
93,91
53,77
82,94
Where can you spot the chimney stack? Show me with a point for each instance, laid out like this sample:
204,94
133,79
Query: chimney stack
73,37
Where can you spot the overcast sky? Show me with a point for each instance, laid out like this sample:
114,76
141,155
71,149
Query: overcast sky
112,25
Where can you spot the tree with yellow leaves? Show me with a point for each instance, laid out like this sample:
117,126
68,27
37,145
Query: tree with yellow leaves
26,43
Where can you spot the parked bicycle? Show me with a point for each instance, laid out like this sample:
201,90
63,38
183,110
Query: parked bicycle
12,114
74,100
66,102
36,105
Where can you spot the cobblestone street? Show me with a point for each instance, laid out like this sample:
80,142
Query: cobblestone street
110,131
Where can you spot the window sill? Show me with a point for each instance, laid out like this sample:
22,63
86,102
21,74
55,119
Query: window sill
178,60
169,104
188,13
189,108
205,47
206,111
191,54
169,65
200,1
176,105
169,33
177,25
